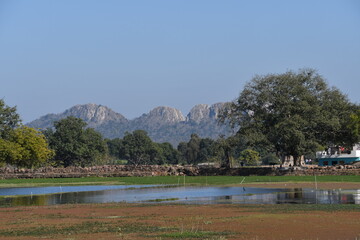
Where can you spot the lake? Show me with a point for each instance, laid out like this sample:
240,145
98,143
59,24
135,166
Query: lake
178,194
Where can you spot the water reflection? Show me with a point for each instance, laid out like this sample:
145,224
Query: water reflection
193,195
63,189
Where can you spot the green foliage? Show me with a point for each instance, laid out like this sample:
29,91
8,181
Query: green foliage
249,157
74,145
206,149
194,235
9,151
197,150
193,149
114,146
169,154
291,113
9,120
138,148
224,151
26,147
20,146
354,124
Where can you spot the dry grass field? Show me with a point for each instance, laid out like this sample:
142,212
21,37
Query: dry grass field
177,221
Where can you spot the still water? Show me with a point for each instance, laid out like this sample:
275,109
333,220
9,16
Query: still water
191,195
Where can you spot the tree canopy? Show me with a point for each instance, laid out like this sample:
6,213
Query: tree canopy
9,119
354,124
291,113
138,148
26,147
249,157
76,145
20,146
197,150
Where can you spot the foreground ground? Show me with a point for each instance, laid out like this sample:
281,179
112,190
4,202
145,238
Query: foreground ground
176,221
167,221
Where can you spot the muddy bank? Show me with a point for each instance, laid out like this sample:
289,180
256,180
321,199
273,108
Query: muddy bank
153,170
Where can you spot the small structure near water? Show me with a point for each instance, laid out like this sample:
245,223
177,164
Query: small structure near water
338,156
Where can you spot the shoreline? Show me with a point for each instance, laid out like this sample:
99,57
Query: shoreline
320,185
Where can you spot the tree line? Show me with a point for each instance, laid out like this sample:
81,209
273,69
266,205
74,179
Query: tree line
71,143
275,116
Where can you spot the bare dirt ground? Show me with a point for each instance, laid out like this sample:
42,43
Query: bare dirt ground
172,221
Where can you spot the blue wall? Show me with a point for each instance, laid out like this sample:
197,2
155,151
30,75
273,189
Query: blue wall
334,161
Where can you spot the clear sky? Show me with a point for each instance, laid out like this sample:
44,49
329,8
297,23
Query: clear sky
135,55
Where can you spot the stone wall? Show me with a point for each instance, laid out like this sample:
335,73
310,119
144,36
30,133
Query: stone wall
273,171
153,170
98,171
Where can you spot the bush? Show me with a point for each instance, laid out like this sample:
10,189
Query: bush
249,157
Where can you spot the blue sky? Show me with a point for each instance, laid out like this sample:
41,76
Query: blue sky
135,55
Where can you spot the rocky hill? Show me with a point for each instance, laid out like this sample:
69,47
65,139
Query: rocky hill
163,124
94,115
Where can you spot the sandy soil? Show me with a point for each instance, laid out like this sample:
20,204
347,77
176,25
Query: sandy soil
136,221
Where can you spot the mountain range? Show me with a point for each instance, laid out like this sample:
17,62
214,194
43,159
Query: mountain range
163,124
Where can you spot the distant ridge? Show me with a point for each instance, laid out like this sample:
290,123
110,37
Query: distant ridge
163,124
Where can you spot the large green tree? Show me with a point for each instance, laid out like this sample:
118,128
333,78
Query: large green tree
139,149
20,145
9,119
197,150
26,147
169,154
226,150
76,145
291,113
114,147
139,143
354,124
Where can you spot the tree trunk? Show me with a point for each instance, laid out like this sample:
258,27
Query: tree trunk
227,160
282,158
296,160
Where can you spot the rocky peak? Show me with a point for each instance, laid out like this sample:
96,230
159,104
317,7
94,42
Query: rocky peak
198,113
164,114
93,113
216,109
164,124
204,112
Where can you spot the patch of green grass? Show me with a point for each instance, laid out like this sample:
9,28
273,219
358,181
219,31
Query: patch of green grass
140,228
83,228
167,180
163,200
193,235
